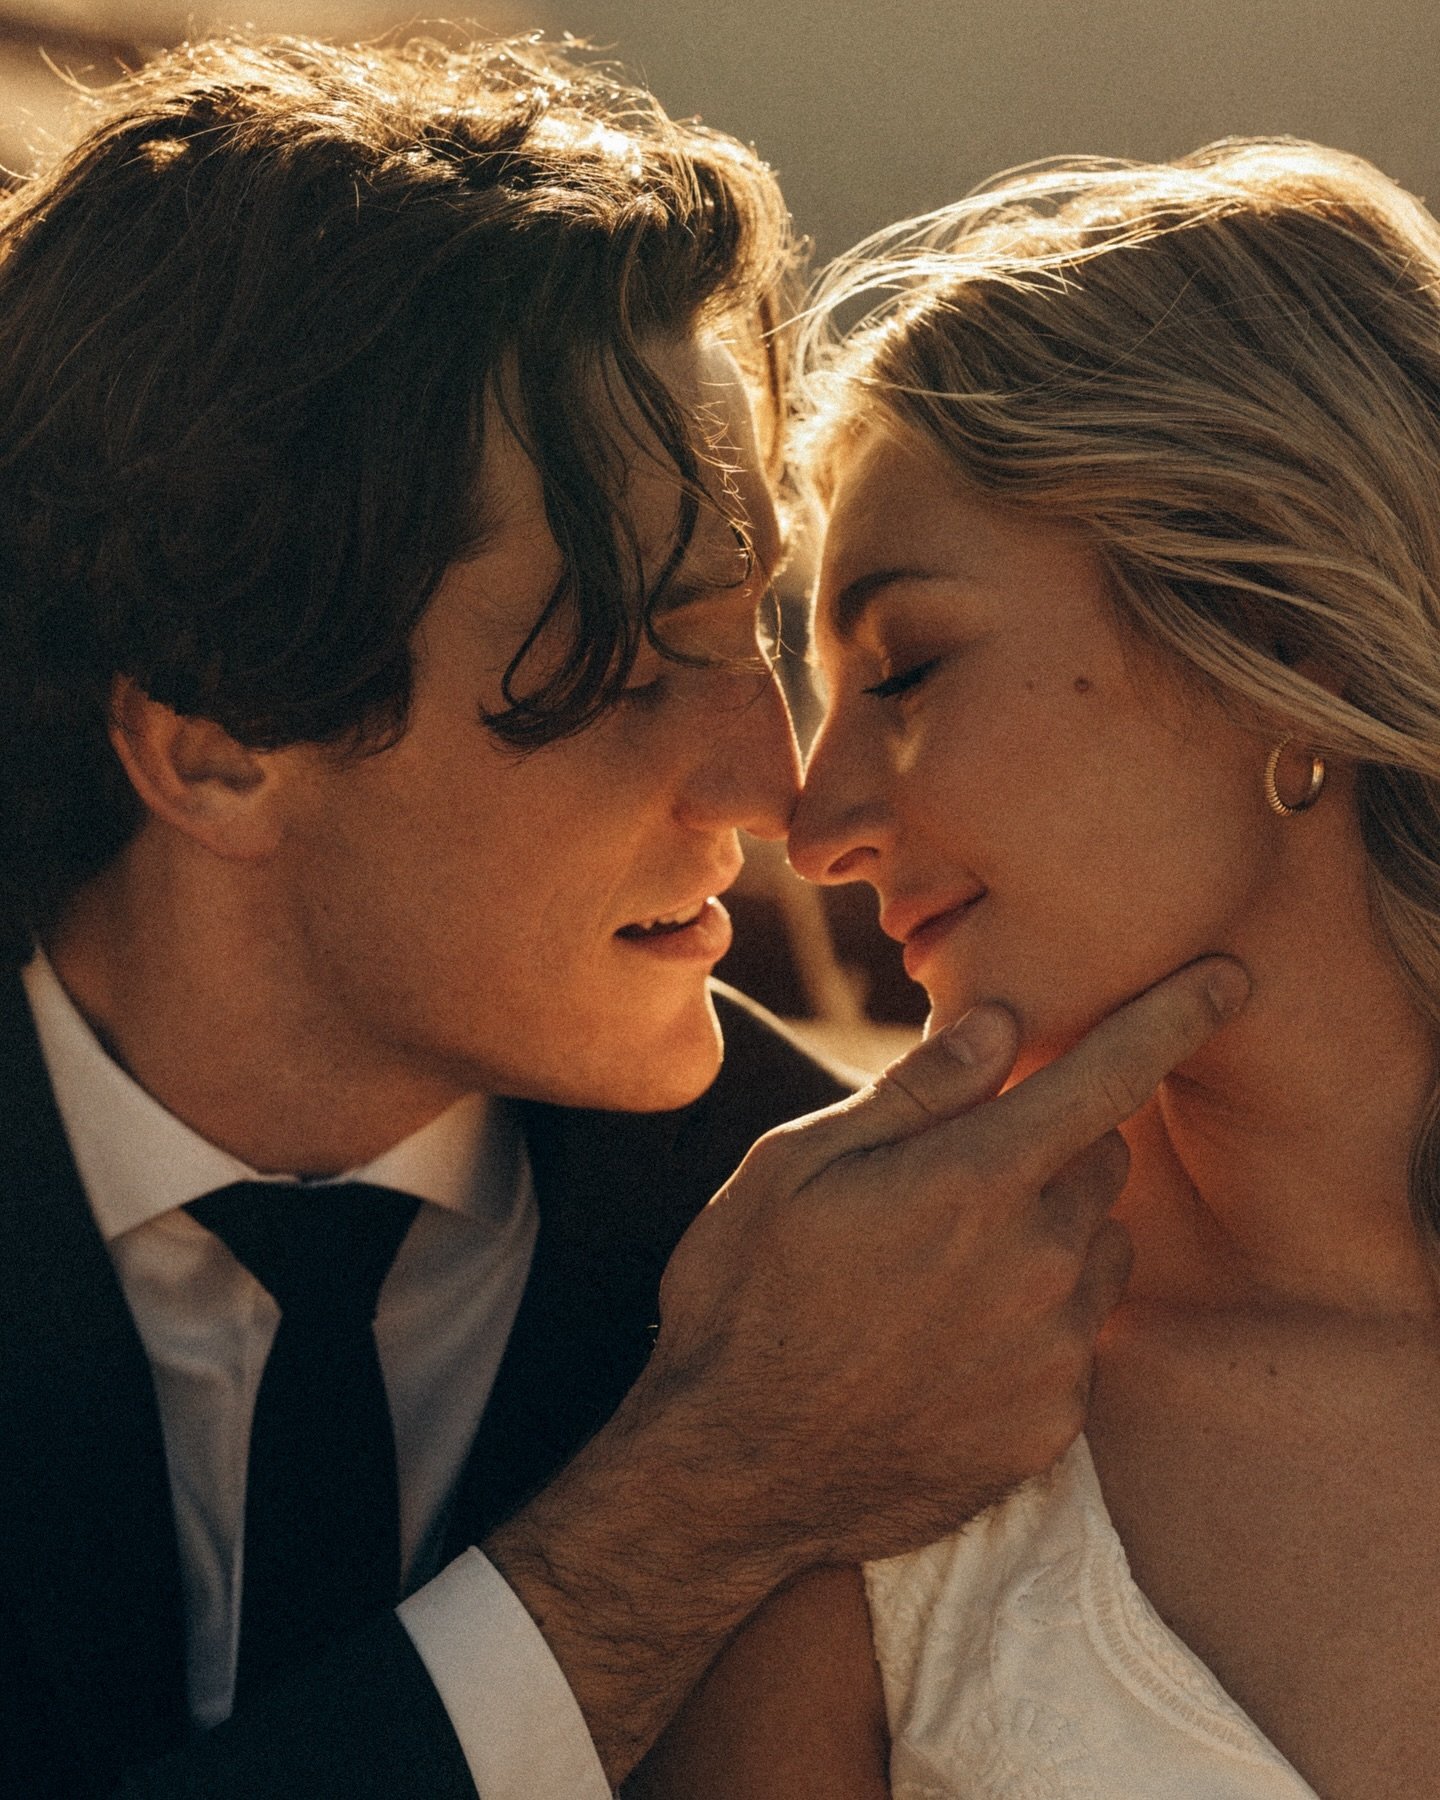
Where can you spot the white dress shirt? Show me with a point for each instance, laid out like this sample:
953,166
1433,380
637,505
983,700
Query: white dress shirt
444,1316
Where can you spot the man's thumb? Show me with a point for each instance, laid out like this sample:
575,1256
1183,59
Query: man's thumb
949,1073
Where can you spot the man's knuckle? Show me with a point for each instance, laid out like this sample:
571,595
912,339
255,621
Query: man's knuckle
1048,1279
1189,1019
773,1157
1200,1016
1119,1090
901,1080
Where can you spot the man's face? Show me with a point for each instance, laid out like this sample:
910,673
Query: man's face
465,916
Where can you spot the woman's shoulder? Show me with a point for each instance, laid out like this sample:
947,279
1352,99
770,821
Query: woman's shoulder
1020,1659
940,1603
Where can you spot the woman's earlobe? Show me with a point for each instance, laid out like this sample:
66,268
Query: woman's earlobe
192,775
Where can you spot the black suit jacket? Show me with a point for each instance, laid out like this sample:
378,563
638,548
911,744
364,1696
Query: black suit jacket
92,1680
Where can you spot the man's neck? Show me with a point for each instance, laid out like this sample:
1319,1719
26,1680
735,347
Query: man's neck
203,1013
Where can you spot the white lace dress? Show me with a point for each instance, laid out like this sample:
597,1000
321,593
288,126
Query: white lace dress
1021,1662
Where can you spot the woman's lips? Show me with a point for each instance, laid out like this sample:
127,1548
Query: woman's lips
922,943
705,938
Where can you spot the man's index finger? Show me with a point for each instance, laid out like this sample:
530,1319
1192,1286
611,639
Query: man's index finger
1044,1121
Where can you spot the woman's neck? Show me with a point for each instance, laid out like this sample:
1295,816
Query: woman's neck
1273,1170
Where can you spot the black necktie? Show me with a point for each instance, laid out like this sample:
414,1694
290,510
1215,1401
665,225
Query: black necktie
322,1533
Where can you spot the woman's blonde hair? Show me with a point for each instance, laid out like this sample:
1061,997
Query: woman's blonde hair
1227,371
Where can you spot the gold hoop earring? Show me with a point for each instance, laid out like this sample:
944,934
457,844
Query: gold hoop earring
1272,793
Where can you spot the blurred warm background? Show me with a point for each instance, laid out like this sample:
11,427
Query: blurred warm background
871,110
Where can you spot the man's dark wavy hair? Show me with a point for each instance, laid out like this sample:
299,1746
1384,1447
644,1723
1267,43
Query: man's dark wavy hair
250,328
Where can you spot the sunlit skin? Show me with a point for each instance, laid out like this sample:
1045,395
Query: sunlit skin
1265,1412
1098,823
989,746
371,938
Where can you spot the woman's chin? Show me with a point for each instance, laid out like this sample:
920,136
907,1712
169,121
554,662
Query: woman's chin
1046,1032
949,1001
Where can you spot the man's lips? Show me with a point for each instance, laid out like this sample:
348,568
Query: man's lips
676,913
696,930
679,920
921,924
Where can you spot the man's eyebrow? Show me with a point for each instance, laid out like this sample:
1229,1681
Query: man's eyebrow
850,604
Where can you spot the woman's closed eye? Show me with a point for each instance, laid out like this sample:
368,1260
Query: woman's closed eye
903,681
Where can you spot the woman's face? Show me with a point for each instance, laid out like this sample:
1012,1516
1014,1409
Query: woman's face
1047,820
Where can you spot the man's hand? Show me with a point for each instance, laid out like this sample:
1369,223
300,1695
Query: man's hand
884,1321
891,1309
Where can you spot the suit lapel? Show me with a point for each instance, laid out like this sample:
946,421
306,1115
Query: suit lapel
616,1192
609,1216
87,1543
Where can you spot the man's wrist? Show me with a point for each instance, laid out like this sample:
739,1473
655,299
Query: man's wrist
637,1563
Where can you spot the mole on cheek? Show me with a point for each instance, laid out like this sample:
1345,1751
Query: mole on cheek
1082,684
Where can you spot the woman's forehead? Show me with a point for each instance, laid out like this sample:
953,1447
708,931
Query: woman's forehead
903,518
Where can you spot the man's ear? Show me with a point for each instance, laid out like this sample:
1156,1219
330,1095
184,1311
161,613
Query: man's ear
194,776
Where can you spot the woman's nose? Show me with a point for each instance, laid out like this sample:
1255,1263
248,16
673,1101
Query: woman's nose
838,828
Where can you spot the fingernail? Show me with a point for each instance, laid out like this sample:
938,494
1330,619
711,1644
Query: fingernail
1228,987
977,1038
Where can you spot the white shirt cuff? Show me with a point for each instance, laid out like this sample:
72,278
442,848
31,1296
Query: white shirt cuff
522,1733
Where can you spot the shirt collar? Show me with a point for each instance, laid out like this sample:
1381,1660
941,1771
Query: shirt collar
137,1161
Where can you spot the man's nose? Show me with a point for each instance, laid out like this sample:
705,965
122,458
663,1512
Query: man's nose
750,778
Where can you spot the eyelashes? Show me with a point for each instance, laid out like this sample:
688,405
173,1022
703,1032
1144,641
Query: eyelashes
902,683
